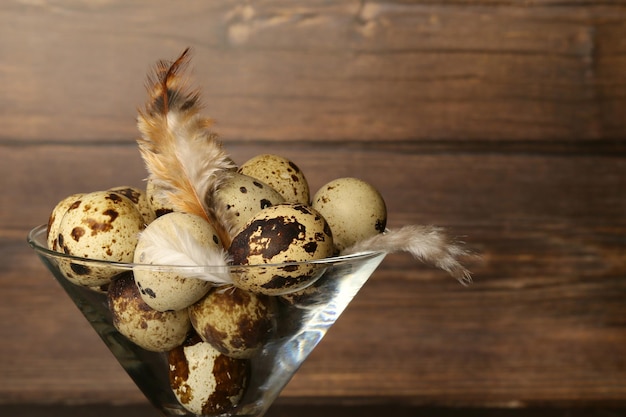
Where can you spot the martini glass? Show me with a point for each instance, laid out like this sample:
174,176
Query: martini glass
303,319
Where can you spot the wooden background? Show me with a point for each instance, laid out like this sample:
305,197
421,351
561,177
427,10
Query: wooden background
503,121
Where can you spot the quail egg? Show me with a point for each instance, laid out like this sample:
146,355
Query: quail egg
353,208
166,289
100,225
240,197
205,381
149,329
236,322
281,174
285,233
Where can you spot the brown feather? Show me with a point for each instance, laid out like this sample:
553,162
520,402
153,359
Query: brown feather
184,158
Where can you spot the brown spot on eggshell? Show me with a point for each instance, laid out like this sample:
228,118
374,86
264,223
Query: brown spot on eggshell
114,197
156,201
279,173
99,225
145,291
76,234
229,374
75,205
205,381
113,214
234,321
288,232
240,197
132,317
140,200
51,220
310,247
129,192
316,293
265,237
162,211
282,281
80,269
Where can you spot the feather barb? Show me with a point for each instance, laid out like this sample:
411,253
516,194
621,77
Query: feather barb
184,158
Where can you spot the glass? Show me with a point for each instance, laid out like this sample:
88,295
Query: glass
301,323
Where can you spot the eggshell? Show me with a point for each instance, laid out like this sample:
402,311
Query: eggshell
55,220
353,208
285,233
157,203
281,174
99,225
240,197
168,290
149,329
140,199
234,321
308,296
205,381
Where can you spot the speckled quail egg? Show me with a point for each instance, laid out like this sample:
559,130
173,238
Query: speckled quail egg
353,208
157,203
281,174
55,220
240,197
285,233
156,331
168,289
205,381
100,225
139,198
236,322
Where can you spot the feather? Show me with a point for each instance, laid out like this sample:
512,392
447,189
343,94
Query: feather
182,249
427,243
184,158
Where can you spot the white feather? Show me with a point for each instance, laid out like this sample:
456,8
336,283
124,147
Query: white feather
159,247
427,243
204,158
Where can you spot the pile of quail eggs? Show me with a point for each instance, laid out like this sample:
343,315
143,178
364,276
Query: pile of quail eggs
197,324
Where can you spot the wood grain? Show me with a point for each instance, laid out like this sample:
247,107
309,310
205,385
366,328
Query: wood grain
324,71
305,409
502,121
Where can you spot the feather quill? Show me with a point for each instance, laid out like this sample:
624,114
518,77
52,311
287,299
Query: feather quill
182,249
184,158
427,243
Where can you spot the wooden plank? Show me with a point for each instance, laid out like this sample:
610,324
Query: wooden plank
311,409
419,185
324,71
317,408
543,323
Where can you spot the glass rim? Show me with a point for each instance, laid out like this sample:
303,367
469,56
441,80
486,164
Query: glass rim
36,238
